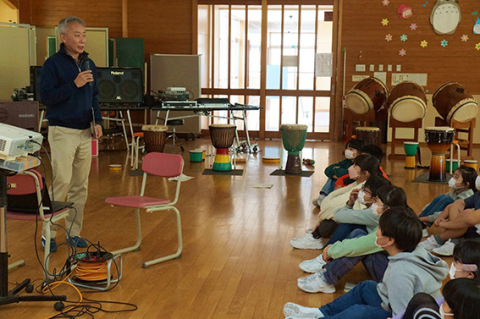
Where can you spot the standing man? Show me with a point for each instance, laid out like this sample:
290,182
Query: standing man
69,90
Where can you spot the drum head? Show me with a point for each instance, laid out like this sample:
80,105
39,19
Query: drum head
440,129
294,127
358,102
222,125
408,109
464,111
367,129
154,128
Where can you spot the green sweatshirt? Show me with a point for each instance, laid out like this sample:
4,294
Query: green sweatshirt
348,215
338,169
353,247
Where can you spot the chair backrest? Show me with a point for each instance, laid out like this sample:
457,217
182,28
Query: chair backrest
23,193
163,164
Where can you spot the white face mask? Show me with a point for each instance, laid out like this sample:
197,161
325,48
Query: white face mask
377,244
361,197
349,154
477,182
443,313
452,183
352,172
452,271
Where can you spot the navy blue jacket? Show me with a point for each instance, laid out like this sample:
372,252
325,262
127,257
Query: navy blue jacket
68,105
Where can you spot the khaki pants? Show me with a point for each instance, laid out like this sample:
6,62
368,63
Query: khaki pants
71,155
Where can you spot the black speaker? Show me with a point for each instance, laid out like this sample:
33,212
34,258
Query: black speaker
120,85
35,75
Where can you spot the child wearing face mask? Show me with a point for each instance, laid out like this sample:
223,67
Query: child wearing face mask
340,257
363,168
461,219
410,270
350,219
334,171
462,186
466,264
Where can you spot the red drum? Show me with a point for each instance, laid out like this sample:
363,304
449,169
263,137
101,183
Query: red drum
439,140
453,102
407,102
367,95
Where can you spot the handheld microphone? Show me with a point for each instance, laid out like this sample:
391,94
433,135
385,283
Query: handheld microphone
87,67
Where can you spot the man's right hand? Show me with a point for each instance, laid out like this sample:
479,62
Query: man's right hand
83,78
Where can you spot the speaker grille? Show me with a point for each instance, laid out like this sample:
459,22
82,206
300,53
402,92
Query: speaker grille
120,85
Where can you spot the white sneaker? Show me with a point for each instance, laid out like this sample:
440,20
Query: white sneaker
446,249
318,201
312,265
425,233
307,242
429,244
315,283
296,311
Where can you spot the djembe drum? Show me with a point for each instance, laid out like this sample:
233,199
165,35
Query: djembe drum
293,138
368,134
222,139
411,149
154,137
439,140
471,163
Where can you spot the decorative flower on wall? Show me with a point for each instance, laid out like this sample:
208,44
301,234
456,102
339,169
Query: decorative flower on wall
444,43
413,26
384,22
402,52
404,37
388,37
464,38
477,46
385,2
424,44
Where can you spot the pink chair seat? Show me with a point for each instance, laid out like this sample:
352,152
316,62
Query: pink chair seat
136,201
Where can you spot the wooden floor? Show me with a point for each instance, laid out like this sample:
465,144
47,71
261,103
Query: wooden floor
237,261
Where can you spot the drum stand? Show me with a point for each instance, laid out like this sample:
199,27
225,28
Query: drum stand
394,124
8,297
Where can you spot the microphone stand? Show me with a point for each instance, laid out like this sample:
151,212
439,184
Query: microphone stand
6,296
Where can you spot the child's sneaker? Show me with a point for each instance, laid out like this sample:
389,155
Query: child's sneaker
429,244
315,283
446,249
312,265
293,310
306,242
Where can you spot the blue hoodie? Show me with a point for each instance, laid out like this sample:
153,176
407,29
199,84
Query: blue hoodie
68,105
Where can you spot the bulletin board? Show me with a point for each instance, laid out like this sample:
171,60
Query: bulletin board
18,53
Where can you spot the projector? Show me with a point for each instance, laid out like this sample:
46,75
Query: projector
15,141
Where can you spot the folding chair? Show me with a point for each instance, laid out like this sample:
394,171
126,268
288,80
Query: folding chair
157,164
27,183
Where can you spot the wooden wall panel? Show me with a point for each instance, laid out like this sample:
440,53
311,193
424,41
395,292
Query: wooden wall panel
363,36
47,13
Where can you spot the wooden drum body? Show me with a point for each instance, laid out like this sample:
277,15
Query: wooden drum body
439,140
453,102
368,134
293,138
154,137
407,102
222,139
367,95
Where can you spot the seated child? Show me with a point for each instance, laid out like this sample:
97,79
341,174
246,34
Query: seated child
459,219
466,264
339,258
339,169
364,166
411,270
462,186
370,149
351,219
460,301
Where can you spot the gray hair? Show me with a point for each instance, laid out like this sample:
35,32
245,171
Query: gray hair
63,24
